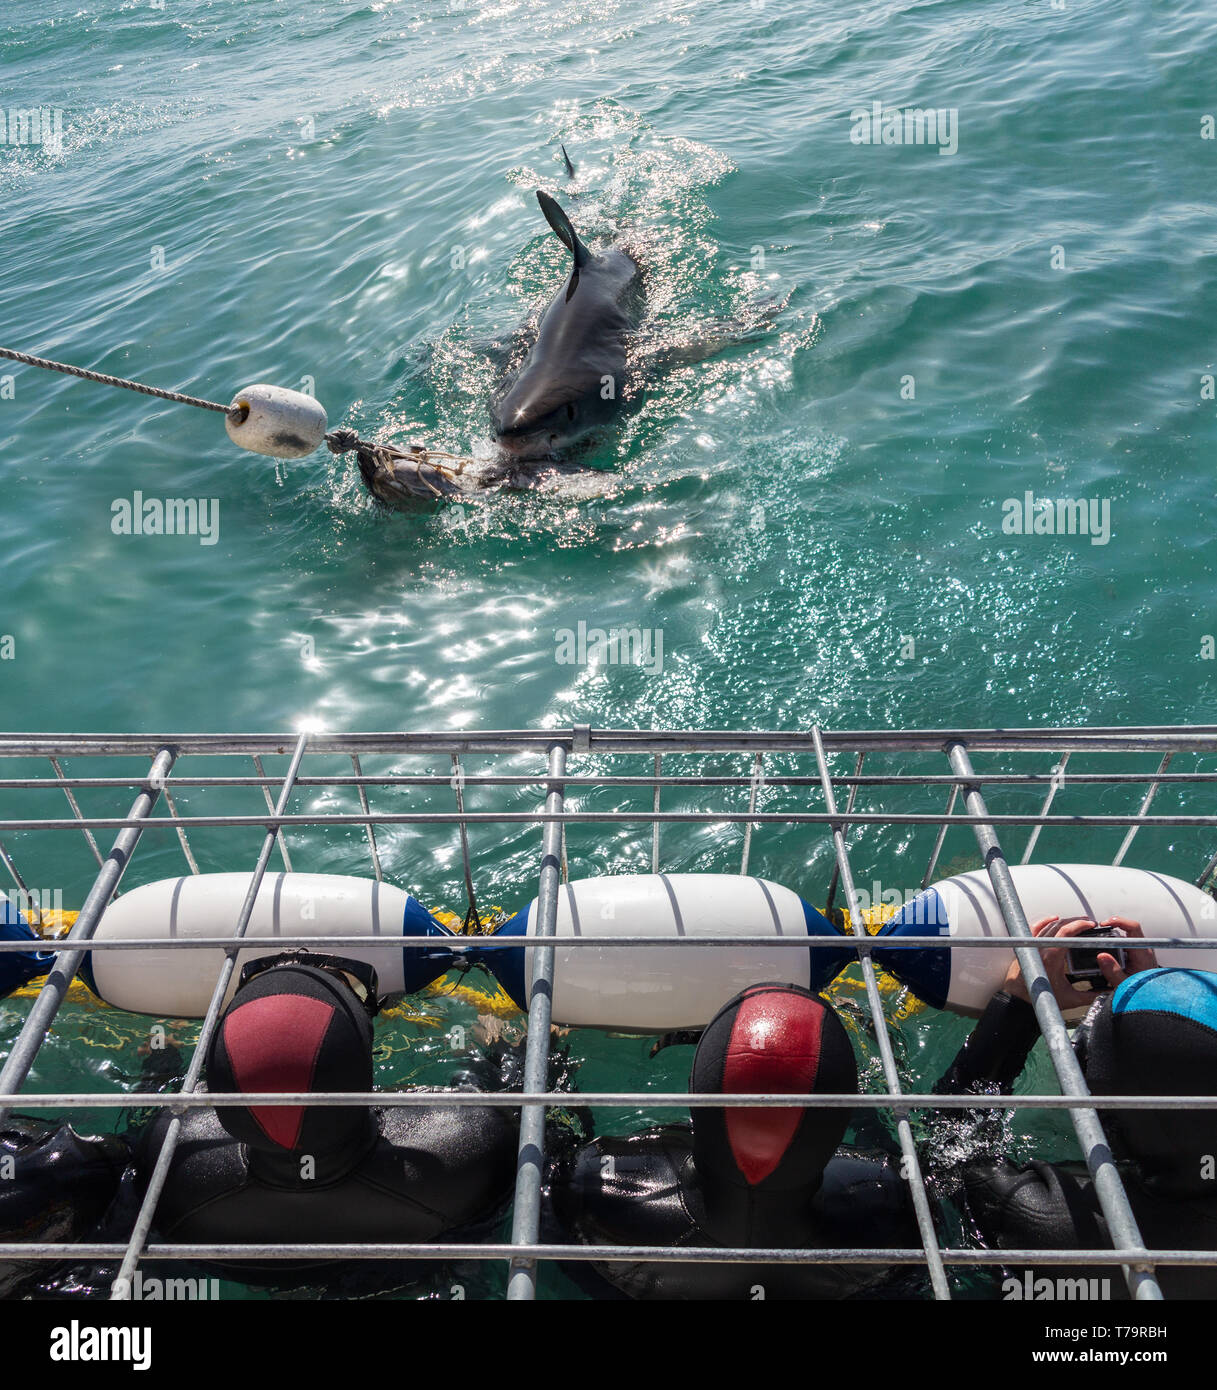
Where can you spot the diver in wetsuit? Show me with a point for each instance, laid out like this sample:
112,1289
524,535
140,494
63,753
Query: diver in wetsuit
759,1177
1153,1033
57,1186
310,1174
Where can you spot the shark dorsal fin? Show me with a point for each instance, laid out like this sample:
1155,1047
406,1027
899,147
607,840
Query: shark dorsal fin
563,230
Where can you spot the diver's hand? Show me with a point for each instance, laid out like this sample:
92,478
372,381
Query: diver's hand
1056,963
1136,961
1014,984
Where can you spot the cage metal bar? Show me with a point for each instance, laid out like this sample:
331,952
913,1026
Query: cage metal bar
871,779
755,782
836,867
912,1165
512,1100
1109,1186
458,783
164,1157
659,1254
301,820
1057,771
1150,793
1143,738
655,808
55,987
595,943
181,834
940,839
270,806
72,802
367,810
1208,869
26,896
526,1216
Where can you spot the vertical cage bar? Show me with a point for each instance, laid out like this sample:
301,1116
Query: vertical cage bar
655,825
55,987
181,834
26,896
1109,1187
370,828
1145,805
849,806
270,806
76,811
754,790
912,1165
939,839
1208,869
1058,781
458,785
164,1158
526,1218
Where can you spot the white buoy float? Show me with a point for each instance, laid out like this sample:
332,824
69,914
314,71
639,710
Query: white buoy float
654,989
264,419
178,983
965,980
274,421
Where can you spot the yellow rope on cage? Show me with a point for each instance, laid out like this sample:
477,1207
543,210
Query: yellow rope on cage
490,1000
52,924
848,982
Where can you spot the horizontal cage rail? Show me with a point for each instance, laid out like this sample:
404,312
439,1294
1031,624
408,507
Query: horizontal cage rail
659,1254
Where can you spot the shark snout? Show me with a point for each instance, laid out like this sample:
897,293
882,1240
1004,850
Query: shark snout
528,427
533,444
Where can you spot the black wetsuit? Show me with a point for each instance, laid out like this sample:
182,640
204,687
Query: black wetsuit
1054,1206
57,1187
420,1175
649,1192
753,1177
247,1175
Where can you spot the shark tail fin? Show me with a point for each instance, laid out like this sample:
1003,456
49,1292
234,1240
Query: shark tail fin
563,230
570,168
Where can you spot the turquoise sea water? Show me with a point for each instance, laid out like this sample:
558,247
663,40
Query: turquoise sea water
342,192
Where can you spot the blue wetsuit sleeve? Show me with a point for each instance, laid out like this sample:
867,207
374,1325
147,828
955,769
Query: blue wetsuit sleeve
996,1050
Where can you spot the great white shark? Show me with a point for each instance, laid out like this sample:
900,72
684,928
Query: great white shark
574,376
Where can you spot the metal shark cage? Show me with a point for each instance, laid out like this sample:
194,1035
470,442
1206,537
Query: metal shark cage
556,769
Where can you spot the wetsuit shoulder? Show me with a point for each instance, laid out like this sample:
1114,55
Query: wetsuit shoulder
1043,1205
617,1186
1055,1206
208,1170
456,1165
864,1201
631,1190
60,1189
428,1172
645,1190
